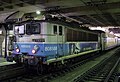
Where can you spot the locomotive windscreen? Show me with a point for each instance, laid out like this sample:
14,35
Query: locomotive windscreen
19,29
33,28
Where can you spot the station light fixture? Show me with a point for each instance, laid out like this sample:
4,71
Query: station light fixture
38,12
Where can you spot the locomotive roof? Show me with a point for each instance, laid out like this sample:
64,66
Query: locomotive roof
69,24
50,21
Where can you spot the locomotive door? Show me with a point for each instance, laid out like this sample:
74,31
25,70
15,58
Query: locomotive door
59,40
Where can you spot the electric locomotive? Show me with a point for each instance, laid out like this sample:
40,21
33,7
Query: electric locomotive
42,42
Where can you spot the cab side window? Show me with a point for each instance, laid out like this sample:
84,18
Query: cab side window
55,29
60,30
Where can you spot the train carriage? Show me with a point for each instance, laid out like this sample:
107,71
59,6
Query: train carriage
111,41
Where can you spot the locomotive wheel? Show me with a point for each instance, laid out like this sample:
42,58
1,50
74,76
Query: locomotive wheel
39,69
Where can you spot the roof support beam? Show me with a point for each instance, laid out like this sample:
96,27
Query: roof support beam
117,22
103,7
95,19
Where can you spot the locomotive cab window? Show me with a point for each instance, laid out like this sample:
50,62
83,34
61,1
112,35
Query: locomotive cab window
60,30
19,29
55,29
33,28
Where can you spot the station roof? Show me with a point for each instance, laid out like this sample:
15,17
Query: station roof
92,12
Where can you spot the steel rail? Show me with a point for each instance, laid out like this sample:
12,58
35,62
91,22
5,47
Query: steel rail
112,70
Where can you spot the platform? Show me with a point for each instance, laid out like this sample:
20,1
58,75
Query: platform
4,62
2,59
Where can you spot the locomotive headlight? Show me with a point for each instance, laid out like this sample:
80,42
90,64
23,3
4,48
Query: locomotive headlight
17,48
35,49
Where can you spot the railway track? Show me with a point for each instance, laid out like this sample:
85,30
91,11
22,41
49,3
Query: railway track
103,72
49,77
8,66
33,77
11,71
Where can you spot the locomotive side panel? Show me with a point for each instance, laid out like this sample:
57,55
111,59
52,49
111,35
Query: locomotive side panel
55,33
55,45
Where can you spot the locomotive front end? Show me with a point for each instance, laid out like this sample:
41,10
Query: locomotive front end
29,53
29,45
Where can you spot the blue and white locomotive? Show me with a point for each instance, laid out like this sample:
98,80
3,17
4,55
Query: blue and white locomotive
42,42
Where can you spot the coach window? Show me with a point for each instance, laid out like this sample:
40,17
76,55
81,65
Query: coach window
60,30
55,29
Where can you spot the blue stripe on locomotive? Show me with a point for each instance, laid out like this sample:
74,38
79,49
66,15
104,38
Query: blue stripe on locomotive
88,46
49,50
27,48
55,50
